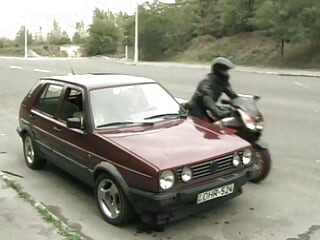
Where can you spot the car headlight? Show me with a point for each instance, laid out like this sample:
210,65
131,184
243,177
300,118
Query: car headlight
236,160
247,156
166,180
186,174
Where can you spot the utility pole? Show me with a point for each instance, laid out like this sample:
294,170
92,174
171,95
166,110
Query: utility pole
25,42
136,38
126,52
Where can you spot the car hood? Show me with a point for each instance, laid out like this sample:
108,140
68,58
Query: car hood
180,143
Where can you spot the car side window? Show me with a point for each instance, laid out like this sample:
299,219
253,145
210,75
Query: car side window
48,101
72,105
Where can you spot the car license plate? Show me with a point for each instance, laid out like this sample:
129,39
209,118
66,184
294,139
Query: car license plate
215,193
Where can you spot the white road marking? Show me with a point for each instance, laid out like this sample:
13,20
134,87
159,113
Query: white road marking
15,67
41,70
300,84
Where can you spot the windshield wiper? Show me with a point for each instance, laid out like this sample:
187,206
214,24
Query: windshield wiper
124,123
168,116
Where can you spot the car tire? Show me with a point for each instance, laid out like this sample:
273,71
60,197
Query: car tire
111,200
31,154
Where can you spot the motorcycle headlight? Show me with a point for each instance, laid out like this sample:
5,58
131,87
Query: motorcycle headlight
260,125
247,156
251,125
236,160
186,174
166,180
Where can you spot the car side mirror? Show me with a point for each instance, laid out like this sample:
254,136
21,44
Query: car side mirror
181,101
74,123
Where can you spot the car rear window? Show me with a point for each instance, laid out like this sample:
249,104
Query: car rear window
49,99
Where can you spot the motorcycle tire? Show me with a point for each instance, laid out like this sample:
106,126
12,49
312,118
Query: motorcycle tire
263,161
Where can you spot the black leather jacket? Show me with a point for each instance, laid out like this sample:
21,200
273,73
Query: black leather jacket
207,95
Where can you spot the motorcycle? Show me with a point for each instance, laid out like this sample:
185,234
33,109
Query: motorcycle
248,123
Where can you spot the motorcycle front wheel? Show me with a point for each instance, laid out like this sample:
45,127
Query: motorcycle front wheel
263,162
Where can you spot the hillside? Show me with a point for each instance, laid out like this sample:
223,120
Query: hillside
250,49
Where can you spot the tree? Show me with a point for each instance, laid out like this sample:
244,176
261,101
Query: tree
80,34
20,37
163,29
285,20
64,38
103,34
6,43
55,34
237,16
38,37
58,37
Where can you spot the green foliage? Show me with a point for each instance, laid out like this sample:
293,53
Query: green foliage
237,15
166,30
20,37
80,34
56,36
163,29
6,43
103,34
292,21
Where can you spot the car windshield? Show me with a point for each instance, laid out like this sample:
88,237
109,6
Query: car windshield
132,104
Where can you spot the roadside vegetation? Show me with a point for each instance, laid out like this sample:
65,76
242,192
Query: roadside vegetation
254,32
62,228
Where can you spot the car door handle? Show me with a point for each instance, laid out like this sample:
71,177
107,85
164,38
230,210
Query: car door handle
57,129
32,116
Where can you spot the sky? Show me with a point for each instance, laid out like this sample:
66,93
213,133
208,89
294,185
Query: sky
41,13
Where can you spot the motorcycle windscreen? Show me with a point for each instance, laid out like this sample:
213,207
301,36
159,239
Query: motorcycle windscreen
248,105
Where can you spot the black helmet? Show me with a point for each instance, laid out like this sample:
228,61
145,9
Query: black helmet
221,66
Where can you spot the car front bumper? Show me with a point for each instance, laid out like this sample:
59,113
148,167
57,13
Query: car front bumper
160,208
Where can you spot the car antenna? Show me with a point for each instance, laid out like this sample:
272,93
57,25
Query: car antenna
72,71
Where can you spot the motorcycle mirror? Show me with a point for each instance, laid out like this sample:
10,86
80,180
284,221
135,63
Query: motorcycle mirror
256,98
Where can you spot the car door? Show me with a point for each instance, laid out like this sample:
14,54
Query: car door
74,144
43,118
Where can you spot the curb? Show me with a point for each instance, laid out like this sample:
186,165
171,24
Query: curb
288,74
62,228
205,67
42,58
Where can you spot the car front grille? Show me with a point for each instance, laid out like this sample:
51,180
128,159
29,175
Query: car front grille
210,167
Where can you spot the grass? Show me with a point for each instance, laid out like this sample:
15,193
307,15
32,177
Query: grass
63,229
49,50
250,49
12,51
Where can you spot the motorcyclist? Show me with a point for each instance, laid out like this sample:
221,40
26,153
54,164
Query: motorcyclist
209,90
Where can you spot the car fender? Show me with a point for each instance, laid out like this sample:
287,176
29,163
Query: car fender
23,130
113,171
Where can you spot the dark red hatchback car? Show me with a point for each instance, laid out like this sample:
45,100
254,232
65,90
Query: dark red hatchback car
133,142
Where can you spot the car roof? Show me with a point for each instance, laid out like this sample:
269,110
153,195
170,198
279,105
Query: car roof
91,81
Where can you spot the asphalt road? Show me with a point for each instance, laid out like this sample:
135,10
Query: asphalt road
284,206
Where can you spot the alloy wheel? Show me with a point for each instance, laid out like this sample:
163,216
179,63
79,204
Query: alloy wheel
29,150
109,198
